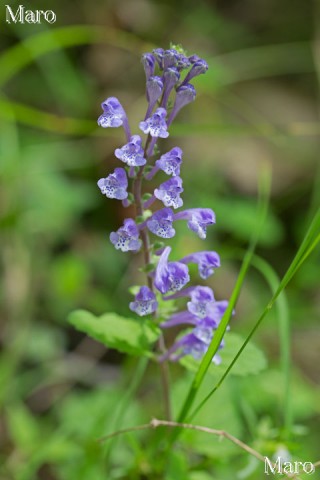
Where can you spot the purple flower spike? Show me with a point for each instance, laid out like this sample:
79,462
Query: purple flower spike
149,62
201,299
132,153
161,223
115,185
169,192
145,302
172,276
198,219
127,237
198,68
156,124
185,94
207,262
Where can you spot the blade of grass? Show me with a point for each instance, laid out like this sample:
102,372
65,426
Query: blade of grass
282,309
283,316
308,244
264,190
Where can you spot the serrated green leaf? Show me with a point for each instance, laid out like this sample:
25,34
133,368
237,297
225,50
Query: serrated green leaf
132,336
251,361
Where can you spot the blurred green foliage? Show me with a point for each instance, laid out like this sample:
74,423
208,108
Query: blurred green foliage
59,390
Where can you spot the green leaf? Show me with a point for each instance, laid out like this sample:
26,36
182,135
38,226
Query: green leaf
126,335
252,360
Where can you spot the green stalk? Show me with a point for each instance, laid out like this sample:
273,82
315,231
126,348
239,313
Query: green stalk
308,244
264,190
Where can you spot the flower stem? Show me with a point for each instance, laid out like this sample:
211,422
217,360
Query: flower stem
137,186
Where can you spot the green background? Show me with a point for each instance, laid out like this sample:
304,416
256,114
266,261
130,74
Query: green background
258,103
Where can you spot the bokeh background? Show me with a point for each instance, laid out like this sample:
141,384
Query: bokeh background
258,104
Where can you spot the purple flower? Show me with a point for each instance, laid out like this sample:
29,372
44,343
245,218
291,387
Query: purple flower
115,185
194,58
148,61
170,58
198,219
169,162
169,192
156,124
158,53
185,94
145,302
195,343
207,262
170,276
113,113
154,91
183,62
201,299
216,311
161,223
199,67
132,153
179,318
127,237
171,77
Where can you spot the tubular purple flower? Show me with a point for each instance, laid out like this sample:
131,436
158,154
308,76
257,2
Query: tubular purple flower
169,192
201,299
113,115
170,58
184,317
194,58
171,77
132,153
149,62
198,68
154,91
159,53
156,124
145,302
115,185
207,262
216,310
195,343
198,219
126,238
183,62
185,94
169,162
161,223
170,276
